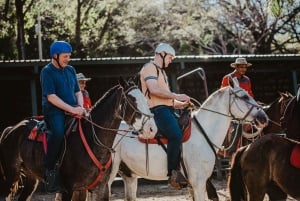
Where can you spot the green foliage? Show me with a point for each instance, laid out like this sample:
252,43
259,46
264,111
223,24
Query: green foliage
105,28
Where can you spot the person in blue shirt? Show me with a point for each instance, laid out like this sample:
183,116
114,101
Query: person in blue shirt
60,95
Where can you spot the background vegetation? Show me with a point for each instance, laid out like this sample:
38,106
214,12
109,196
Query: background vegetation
100,28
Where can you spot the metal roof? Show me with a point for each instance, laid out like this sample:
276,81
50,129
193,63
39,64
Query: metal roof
181,58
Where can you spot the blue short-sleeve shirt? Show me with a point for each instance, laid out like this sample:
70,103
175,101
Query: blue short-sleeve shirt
61,82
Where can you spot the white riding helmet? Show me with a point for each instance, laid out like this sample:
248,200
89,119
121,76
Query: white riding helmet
164,47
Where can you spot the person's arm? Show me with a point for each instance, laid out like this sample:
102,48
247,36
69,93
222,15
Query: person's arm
55,100
79,97
154,89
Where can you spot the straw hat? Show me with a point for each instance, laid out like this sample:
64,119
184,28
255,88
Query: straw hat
240,61
80,76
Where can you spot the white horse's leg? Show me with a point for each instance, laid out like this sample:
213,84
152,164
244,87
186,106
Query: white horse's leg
113,174
130,185
199,191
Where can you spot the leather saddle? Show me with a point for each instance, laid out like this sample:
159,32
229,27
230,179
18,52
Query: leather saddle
40,131
184,122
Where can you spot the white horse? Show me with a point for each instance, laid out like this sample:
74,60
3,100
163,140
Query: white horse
199,157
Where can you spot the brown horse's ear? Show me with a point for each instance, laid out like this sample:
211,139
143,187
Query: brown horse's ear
122,82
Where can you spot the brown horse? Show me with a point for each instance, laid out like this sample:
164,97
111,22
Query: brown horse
87,150
241,137
263,163
291,119
275,111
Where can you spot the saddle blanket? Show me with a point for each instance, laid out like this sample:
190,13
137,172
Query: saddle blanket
39,137
185,137
295,156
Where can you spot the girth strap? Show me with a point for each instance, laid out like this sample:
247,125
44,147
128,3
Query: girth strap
206,137
102,168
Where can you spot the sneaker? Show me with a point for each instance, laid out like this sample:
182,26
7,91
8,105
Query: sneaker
177,180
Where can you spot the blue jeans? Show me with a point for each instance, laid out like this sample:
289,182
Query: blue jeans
167,124
56,124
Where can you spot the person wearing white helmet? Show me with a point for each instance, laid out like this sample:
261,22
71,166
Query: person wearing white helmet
60,94
162,102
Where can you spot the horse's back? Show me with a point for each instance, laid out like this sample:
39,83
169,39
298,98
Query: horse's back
261,163
266,149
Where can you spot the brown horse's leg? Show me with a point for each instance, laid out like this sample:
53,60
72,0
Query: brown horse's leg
29,187
275,193
79,195
211,191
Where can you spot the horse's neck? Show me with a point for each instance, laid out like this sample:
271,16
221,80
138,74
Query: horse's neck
215,119
106,121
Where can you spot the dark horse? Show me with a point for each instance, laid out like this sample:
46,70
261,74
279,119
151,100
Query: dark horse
87,151
263,163
275,111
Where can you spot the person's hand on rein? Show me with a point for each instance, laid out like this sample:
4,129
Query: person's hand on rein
189,105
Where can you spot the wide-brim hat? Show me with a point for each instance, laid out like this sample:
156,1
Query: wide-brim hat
239,61
80,76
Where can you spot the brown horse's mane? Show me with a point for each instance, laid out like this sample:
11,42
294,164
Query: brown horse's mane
105,96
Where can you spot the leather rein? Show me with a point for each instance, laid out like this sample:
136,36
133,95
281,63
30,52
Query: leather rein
210,143
103,167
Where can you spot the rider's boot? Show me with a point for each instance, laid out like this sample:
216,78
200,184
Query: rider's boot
53,181
177,180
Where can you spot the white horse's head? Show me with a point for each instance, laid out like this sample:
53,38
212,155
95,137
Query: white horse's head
243,107
143,121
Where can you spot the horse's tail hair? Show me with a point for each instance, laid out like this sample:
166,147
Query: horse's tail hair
235,180
5,133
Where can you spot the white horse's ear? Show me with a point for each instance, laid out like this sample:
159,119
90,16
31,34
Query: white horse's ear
233,82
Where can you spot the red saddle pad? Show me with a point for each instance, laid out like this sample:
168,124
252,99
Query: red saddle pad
295,156
185,137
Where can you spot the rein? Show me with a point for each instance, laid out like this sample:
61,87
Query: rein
145,116
210,143
102,168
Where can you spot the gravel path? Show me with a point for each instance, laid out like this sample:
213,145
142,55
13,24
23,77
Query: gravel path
154,191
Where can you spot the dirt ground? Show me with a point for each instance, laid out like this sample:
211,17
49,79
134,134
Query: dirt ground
154,191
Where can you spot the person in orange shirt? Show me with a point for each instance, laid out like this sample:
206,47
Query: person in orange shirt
87,103
241,65
162,102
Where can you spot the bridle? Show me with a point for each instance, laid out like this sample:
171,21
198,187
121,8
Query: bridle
121,115
136,111
103,167
231,102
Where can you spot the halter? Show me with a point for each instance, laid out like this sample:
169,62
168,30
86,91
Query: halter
127,102
211,144
230,104
241,98
102,168
145,117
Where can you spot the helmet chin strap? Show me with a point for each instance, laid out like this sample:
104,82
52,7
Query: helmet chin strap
57,61
163,58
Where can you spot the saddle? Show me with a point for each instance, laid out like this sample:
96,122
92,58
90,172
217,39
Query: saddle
295,156
184,122
40,131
